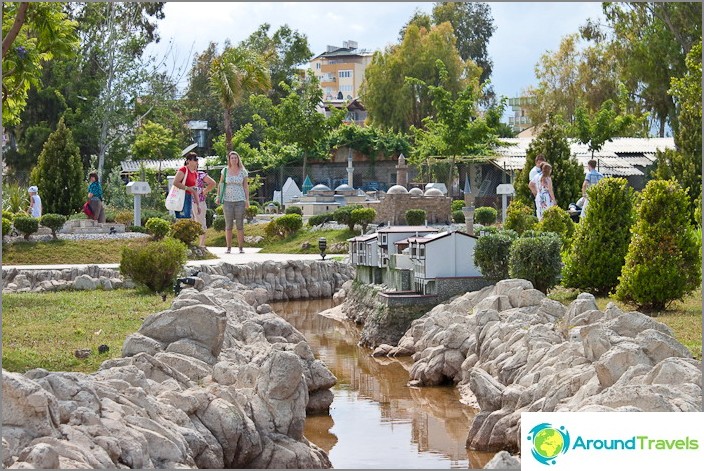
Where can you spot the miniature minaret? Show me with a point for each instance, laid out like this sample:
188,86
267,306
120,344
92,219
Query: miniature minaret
402,171
350,171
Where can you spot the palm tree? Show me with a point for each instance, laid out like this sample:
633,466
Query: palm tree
236,73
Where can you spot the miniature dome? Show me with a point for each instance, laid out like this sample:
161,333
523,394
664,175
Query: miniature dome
344,187
320,187
416,192
397,190
433,192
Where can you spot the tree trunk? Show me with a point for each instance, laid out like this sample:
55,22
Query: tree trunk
228,133
305,162
15,29
102,143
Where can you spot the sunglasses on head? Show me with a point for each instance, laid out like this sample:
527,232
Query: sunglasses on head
193,158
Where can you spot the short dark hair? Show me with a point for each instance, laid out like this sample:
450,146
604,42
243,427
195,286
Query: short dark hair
190,156
592,163
93,174
540,157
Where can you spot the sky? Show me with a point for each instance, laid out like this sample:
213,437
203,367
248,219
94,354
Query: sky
524,30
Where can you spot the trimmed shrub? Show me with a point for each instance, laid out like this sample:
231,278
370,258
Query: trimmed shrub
598,250
53,221
663,262
458,217
219,211
363,217
294,210
9,215
140,229
415,217
536,259
491,254
26,225
158,228
457,205
284,226
557,220
485,216
219,223
343,215
209,215
147,214
186,230
124,217
697,212
519,217
251,212
6,226
319,219
155,265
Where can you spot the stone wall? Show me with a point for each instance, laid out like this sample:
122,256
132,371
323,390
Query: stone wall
445,288
17,280
393,208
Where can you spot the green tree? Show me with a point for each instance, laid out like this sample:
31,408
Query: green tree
664,261
685,163
455,132
154,141
594,260
32,34
605,124
394,103
235,74
59,174
567,173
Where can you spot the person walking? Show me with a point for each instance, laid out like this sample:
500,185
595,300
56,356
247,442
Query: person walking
591,178
545,198
233,192
95,197
205,184
35,202
186,179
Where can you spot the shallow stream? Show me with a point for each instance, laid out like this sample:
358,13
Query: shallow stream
375,420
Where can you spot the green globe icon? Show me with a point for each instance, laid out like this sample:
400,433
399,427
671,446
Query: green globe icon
548,443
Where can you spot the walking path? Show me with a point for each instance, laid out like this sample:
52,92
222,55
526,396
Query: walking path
251,254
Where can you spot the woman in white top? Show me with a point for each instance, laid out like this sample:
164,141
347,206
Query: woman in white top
35,202
233,191
545,198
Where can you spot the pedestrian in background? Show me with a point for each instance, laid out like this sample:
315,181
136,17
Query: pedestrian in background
204,184
95,197
591,178
35,202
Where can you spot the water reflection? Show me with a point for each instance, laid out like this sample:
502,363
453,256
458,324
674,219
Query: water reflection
375,420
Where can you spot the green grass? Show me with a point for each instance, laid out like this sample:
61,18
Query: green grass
683,317
42,330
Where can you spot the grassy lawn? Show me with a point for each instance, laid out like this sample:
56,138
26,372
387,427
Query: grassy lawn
683,317
42,330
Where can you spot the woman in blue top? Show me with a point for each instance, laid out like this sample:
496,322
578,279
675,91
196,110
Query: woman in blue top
95,197
233,191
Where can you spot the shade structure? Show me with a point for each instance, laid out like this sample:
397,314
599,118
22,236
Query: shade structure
307,185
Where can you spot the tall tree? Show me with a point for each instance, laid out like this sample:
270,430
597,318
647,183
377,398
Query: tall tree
32,34
154,141
59,173
396,104
235,74
651,40
595,130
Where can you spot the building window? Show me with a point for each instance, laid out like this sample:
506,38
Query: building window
421,252
345,88
317,65
345,74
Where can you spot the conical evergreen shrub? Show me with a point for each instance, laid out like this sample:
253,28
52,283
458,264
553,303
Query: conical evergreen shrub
663,262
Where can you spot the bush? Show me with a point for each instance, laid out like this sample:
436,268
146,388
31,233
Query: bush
219,223
458,217
6,226
158,228
457,205
663,262
319,219
140,229
186,230
697,212
53,221
155,265
9,215
26,225
485,216
284,226
209,215
491,254
294,210
599,245
363,217
519,217
536,259
147,214
124,217
415,217
343,215
557,220
219,211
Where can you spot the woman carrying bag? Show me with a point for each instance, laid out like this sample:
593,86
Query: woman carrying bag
186,179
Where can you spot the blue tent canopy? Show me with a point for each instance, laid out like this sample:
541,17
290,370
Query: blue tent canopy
307,185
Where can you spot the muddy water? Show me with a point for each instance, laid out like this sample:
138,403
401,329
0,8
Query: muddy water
375,420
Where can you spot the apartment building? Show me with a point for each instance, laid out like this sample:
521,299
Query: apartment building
341,70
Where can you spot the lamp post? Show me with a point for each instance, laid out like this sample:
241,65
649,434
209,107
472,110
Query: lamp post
322,245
